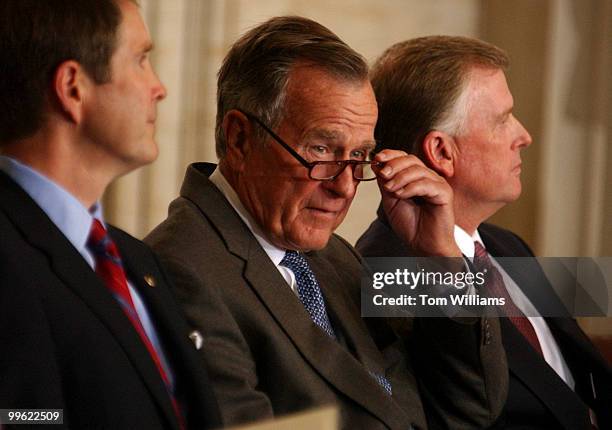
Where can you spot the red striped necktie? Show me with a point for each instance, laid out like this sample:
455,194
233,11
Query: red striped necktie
496,288
110,268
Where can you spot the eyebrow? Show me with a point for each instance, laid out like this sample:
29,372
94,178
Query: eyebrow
371,144
326,134
506,112
335,136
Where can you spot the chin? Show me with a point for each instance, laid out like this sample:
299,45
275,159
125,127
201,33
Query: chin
148,154
508,198
516,193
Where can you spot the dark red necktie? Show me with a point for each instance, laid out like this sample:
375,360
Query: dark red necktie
496,288
110,268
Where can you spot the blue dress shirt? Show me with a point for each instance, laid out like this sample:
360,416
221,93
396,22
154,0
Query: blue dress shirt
74,221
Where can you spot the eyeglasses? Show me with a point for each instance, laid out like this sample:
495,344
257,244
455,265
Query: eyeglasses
322,170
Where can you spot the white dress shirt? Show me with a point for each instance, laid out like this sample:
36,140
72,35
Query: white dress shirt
550,348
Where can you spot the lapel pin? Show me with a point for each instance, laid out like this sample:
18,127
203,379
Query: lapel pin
150,280
196,338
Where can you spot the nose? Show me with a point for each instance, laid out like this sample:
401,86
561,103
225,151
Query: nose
524,138
344,185
158,89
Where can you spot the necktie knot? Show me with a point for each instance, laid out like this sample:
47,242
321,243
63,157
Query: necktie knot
308,290
481,256
97,233
100,243
296,262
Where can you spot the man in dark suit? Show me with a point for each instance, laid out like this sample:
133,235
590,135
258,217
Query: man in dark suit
446,99
88,324
260,274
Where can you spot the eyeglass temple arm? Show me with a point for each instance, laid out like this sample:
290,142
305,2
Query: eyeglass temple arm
276,137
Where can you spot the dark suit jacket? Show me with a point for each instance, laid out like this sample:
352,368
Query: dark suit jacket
537,397
65,342
265,355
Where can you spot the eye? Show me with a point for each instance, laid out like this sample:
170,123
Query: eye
144,58
319,149
359,155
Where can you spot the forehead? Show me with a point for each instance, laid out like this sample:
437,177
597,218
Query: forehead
318,103
132,32
489,90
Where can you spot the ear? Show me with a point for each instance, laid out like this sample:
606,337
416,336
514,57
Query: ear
439,153
68,87
239,138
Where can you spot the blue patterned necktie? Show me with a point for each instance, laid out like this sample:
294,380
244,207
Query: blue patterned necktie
308,290
311,297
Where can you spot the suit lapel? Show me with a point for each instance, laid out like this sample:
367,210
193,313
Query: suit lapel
523,361
541,379
76,274
336,364
354,382
572,338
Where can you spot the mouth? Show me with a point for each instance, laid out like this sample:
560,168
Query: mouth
517,168
324,212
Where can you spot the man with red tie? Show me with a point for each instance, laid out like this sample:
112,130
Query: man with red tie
87,321
446,100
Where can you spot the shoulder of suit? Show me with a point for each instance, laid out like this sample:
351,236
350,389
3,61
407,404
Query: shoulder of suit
116,232
128,243
495,229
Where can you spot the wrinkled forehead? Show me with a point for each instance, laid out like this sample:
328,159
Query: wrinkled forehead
320,104
337,139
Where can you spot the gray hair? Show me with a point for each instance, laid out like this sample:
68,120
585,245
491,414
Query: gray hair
255,71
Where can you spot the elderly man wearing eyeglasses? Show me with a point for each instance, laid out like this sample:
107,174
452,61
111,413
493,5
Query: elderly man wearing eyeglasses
269,288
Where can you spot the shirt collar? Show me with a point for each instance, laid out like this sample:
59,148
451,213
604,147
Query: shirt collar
465,242
275,253
64,210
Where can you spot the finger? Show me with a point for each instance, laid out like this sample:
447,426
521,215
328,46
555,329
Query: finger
389,154
387,160
428,190
392,166
408,174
